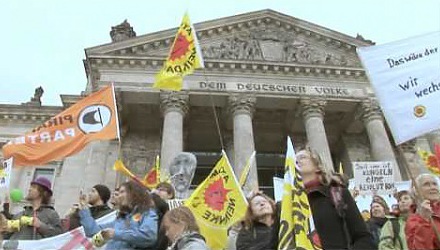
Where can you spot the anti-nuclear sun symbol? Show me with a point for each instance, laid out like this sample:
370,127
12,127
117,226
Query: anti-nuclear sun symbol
181,47
215,195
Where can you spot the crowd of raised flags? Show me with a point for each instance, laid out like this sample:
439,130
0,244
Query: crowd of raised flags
218,202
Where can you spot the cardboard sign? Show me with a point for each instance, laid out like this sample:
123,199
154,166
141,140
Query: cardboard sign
374,177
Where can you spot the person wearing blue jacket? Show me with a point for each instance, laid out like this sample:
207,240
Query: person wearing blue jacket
135,226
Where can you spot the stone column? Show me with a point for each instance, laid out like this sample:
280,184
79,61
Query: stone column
313,114
228,140
433,138
174,106
380,146
414,163
242,107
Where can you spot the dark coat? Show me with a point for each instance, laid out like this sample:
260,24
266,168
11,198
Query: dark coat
96,211
161,208
330,224
375,225
50,224
258,237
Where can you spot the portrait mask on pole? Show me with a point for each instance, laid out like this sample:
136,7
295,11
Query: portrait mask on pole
182,170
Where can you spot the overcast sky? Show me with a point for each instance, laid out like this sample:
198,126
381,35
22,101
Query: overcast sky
43,41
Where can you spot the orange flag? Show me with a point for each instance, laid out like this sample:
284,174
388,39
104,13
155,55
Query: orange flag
92,118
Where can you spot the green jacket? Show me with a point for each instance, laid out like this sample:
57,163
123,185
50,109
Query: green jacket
387,237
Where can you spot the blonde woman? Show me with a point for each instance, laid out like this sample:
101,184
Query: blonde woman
336,217
182,230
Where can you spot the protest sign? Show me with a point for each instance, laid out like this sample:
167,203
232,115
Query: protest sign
405,76
374,177
5,172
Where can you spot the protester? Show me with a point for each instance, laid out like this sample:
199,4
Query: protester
135,225
6,208
182,230
260,224
393,232
419,229
97,199
114,201
160,195
336,217
40,220
378,211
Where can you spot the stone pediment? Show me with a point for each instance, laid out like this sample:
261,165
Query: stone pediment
266,36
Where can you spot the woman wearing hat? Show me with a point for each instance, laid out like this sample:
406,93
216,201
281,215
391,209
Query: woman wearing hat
40,220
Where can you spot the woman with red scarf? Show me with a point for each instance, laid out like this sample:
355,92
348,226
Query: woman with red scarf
336,217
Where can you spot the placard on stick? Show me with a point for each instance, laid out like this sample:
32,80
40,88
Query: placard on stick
374,177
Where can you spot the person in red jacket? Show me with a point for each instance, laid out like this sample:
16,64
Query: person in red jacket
419,230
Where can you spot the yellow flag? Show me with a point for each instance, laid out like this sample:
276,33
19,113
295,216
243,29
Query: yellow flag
184,57
294,229
341,169
218,203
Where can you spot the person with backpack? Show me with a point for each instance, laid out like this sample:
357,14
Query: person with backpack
336,217
379,211
393,231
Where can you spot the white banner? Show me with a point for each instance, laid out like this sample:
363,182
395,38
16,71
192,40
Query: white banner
278,188
5,173
374,177
406,78
74,239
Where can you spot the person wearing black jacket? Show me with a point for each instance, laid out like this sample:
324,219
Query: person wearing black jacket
163,192
260,225
335,215
378,210
97,199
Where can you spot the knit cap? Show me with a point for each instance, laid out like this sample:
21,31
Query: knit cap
103,191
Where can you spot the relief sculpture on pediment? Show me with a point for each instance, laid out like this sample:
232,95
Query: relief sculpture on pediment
273,45
237,47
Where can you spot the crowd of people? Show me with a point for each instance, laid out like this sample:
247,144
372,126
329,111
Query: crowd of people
144,219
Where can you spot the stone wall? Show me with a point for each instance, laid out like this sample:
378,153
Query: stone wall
355,148
139,150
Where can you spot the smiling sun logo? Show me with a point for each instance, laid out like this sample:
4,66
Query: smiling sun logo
419,111
180,48
215,195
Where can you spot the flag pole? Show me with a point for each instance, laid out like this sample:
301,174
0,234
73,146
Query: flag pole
215,113
117,181
417,190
